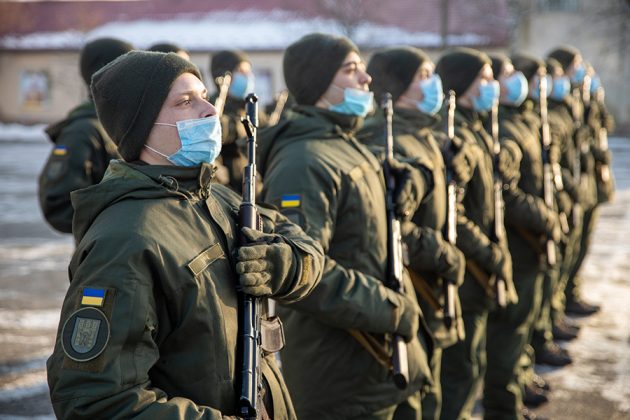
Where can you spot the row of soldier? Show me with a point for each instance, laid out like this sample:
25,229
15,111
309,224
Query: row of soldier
500,166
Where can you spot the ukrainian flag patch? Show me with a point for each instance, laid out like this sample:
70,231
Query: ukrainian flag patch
93,296
290,200
60,151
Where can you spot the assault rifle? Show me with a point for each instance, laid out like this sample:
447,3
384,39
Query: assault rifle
451,217
249,306
277,111
548,187
578,114
394,279
224,85
602,140
498,230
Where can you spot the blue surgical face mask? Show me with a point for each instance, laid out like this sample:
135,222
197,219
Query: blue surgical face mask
578,74
536,91
241,85
432,93
595,84
488,93
201,141
561,88
516,85
355,102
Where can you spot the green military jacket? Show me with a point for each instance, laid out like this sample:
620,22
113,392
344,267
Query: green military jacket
233,154
415,139
148,327
600,123
329,183
476,215
527,218
82,150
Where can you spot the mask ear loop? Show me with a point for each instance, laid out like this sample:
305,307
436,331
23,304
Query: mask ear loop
155,151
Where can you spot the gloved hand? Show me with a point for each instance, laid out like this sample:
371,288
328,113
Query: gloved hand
453,264
265,264
509,161
461,158
588,162
554,228
410,189
502,262
602,156
407,317
564,202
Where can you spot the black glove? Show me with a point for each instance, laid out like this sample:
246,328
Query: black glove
554,228
602,156
460,157
509,161
410,188
265,264
407,317
502,262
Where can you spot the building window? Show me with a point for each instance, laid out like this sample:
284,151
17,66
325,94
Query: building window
34,89
559,5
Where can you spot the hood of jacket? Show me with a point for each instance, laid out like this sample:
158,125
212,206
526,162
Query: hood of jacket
85,110
137,181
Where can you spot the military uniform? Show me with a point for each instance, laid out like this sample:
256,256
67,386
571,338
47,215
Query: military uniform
326,181
82,150
528,222
149,324
414,139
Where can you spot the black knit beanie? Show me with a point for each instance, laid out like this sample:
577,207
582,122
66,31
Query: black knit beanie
527,64
129,93
310,65
459,68
393,70
553,66
97,53
165,47
498,63
565,55
226,61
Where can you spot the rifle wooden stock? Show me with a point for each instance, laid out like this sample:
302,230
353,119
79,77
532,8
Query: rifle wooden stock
481,276
421,286
372,346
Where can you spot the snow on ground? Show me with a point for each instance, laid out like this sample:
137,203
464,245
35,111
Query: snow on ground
19,132
248,30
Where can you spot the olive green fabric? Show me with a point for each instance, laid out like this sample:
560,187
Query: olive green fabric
338,196
415,139
476,219
81,152
172,321
463,368
526,216
233,150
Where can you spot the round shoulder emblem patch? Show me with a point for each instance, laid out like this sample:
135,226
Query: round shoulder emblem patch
85,334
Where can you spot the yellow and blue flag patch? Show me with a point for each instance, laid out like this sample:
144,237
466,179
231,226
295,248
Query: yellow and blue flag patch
93,296
291,200
60,151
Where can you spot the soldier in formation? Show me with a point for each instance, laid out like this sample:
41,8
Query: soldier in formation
495,177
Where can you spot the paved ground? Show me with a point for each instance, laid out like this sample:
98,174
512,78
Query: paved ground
33,261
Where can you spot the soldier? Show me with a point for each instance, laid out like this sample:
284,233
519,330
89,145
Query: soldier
324,179
407,74
82,149
469,73
237,64
530,223
573,66
149,324
167,47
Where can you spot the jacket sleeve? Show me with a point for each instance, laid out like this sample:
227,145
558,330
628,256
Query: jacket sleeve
68,168
345,298
308,254
114,384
